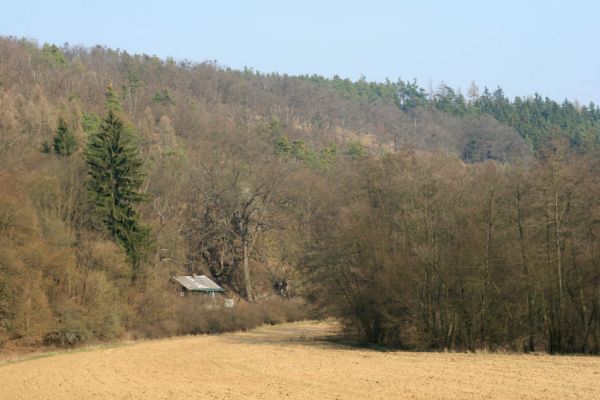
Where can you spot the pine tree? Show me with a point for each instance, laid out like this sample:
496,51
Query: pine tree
111,100
115,169
64,142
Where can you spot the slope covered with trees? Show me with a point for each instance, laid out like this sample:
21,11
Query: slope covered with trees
424,220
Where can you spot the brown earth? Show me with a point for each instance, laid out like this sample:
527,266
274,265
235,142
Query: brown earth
293,361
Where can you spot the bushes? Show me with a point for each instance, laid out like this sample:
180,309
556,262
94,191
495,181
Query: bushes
71,327
278,310
198,315
154,308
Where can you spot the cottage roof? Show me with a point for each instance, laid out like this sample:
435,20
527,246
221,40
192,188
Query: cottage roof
198,283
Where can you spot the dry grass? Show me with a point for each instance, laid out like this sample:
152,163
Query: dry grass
293,361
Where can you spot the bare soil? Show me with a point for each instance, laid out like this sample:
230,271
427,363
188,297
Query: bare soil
293,361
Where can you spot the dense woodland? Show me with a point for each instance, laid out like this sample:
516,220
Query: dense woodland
424,219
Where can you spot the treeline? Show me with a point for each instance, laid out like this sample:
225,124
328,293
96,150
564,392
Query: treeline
415,225
539,120
203,97
426,252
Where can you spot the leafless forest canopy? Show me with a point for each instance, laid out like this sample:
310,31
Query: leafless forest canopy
425,220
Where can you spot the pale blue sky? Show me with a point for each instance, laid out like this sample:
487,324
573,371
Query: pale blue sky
552,47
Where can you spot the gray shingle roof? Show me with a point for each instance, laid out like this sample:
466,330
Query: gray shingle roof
198,283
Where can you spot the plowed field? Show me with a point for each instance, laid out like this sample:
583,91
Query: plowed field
293,361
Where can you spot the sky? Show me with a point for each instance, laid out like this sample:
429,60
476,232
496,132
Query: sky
550,47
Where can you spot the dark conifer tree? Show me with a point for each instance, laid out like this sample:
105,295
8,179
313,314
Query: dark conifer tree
64,142
115,169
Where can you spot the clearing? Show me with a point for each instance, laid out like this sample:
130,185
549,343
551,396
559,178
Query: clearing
293,361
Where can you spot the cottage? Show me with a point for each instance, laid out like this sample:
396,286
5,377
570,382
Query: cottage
197,284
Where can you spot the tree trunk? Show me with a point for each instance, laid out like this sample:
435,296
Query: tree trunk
559,266
246,269
484,339
530,323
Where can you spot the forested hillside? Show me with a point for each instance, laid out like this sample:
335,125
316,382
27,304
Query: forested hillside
423,219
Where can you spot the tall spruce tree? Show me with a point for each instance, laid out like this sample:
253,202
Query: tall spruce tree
64,142
115,169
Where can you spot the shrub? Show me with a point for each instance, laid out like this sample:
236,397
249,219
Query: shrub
200,315
71,328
